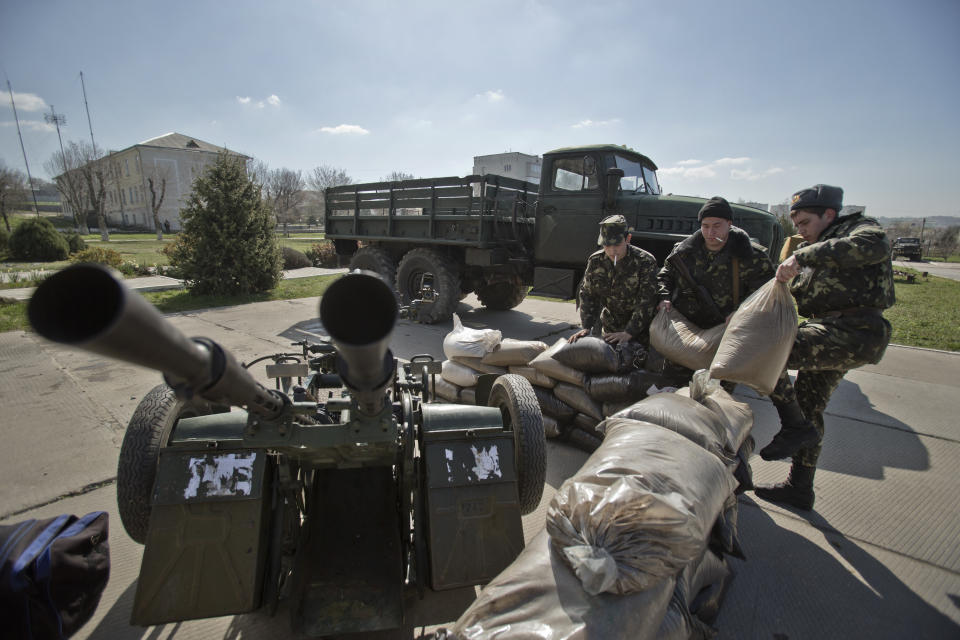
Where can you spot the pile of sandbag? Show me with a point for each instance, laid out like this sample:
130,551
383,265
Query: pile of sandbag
636,540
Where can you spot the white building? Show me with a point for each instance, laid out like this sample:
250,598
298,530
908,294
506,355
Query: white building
512,164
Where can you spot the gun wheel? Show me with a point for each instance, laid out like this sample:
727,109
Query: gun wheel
417,263
518,405
148,432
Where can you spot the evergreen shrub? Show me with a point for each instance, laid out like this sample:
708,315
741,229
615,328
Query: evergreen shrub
36,240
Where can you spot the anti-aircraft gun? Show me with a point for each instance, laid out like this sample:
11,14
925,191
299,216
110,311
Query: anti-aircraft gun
343,490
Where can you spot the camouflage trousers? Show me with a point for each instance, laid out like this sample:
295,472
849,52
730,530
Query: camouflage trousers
824,350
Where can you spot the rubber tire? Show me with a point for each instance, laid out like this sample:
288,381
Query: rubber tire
501,296
373,258
446,282
148,432
518,405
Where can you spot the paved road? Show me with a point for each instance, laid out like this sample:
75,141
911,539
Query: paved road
877,559
942,269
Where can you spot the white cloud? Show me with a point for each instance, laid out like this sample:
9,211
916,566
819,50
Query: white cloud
26,101
726,162
705,171
492,96
30,125
243,100
587,124
344,129
687,163
273,100
752,176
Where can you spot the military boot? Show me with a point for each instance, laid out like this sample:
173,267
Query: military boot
797,491
796,432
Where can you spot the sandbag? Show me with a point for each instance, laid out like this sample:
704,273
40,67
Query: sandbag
577,398
459,374
446,389
737,416
611,408
539,597
464,341
723,535
685,416
583,440
551,405
742,472
478,365
546,364
758,339
468,395
683,620
590,355
620,387
683,342
551,428
536,378
514,352
587,424
639,509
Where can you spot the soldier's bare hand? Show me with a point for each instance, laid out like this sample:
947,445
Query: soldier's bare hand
617,338
664,305
577,335
788,269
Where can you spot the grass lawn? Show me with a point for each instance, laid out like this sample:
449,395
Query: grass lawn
927,313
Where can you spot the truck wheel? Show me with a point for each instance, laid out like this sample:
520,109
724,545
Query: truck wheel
515,398
502,295
446,282
148,432
375,259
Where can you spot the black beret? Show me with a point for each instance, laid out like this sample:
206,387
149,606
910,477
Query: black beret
821,196
715,207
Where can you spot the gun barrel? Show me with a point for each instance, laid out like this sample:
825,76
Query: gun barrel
361,332
86,306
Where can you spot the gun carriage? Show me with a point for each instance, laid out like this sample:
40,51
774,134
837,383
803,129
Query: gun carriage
344,490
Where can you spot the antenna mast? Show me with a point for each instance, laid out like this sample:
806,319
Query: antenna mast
87,106
24,150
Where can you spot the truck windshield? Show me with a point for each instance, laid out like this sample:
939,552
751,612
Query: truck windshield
636,178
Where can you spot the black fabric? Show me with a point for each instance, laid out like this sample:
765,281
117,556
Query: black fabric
52,574
715,207
819,196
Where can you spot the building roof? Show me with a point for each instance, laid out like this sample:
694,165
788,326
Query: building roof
176,140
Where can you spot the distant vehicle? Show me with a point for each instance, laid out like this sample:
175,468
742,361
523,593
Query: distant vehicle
907,247
496,236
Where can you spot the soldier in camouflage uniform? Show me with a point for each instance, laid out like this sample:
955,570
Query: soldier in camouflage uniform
618,292
709,256
842,279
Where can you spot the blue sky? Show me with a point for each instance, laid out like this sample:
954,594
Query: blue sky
749,100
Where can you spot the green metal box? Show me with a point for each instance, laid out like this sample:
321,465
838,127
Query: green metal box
206,544
473,511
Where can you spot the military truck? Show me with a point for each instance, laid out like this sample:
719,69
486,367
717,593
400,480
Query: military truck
497,236
908,248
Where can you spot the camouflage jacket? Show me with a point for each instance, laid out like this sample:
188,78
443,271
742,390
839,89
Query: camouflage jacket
849,266
714,272
621,297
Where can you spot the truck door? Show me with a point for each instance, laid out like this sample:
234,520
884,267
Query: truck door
571,208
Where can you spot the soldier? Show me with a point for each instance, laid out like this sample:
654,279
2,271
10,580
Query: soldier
842,279
709,274
618,291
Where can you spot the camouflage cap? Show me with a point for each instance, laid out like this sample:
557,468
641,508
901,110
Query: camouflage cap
821,196
613,230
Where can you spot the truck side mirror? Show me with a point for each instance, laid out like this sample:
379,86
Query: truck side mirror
614,174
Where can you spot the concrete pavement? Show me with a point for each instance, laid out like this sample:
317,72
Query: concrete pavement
878,557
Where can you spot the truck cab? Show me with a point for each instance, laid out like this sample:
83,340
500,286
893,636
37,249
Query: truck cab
582,185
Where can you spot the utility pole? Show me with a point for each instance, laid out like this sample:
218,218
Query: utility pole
23,149
87,107
57,120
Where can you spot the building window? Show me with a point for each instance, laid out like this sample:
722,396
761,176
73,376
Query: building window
123,195
507,167
126,164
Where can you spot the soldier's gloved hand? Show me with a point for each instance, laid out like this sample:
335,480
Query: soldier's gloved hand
788,269
664,305
578,335
617,338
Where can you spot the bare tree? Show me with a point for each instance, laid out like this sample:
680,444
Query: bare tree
95,171
65,167
325,176
396,176
259,172
285,192
157,184
13,188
